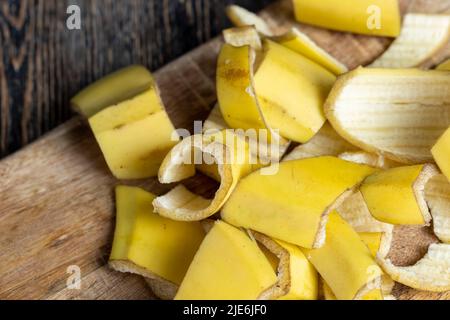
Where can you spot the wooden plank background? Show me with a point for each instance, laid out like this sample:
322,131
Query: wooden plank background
56,195
43,64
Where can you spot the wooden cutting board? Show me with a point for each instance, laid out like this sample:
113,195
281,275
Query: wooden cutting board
56,195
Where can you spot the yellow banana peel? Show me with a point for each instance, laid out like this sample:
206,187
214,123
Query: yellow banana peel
304,45
293,204
122,132
241,17
421,37
396,113
144,243
228,265
397,195
344,262
441,153
242,36
371,159
437,196
372,17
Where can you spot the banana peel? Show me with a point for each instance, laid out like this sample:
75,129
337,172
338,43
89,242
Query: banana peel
241,17
397,196
421,37
371,17
224,150
370,159
397,113
144,243
325,143
304,45
297,278
293,204
437,196
441,153
242,36
345,263
228,265
444,66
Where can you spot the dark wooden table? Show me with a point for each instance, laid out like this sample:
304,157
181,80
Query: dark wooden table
43,63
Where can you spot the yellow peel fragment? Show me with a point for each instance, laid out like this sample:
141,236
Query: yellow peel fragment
326,142
372,17
445,66
397,195
437,195
441,153
431,273
149,245
228,153
241,17
228,265
302,44
397,113
242,36
373,160
297,278
344,262
293,103
421,37
293,204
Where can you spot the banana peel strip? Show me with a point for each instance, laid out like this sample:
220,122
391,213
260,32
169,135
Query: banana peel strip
180,203
431,273
326,142
370,159
396,113
437,196
242,36
241,17
421,37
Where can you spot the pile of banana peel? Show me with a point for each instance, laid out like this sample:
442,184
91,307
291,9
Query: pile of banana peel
306,208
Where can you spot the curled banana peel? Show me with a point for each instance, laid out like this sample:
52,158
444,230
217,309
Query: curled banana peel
228,265
397,113
431,273
371,159
242,36
122,133
117,87
241,17
421,37
297,278
226,152
441,153
304,45
325,143
371,17
294,103
293,204
437,196
154,247
214,122
345,263
397,195
444,66
374,294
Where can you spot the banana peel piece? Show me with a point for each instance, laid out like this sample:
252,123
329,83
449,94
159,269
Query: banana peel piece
228,153
326,142
397,195
397,113
228,265
371,17
293,103
297,278
371,159
431,273
444,66
144,243
242,36
293,204
345,263
441,153
437,196
241,17
304,45
421,37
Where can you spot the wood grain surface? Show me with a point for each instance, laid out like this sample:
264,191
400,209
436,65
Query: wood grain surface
56,195
43,63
